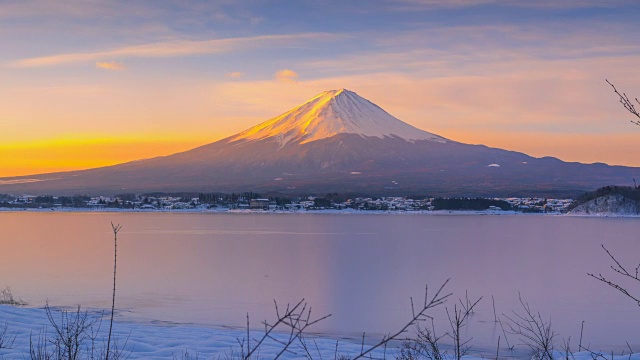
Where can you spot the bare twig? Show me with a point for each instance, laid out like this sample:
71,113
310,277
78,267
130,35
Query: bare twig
457,322
429,303
495,316
566,348
628,104
509,346
317,349
116,229
38,350
425,344
620,269
6,338
296,318
581,331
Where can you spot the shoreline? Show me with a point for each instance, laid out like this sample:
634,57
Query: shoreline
316,212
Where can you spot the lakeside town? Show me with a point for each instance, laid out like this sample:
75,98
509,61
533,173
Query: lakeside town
256,202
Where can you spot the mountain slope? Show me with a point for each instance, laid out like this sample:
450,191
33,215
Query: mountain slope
331,113
336,142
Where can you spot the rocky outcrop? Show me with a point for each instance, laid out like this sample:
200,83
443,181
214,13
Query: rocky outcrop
613,204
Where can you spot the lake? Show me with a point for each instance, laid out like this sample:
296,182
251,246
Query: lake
214,268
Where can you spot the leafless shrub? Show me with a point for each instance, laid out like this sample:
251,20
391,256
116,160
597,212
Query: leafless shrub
6,298
424,345
533,330
71,332
621,270
74,335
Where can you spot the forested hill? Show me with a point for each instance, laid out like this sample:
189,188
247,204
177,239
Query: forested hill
608,200
629,192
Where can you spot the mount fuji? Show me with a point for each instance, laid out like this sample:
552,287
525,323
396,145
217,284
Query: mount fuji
336,142
332,113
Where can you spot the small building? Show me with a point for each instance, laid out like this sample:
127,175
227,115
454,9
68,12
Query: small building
259,204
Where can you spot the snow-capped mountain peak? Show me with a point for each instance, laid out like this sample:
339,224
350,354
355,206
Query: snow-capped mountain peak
331,113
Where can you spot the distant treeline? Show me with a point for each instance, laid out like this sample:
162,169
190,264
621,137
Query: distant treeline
469,204
222,198
160,200
629,192
45,201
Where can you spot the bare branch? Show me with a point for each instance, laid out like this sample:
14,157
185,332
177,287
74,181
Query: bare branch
6,338
116,229
620,269
628,104
297,319
457,322
436,300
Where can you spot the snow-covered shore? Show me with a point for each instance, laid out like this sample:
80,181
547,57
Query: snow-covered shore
165,340
157,339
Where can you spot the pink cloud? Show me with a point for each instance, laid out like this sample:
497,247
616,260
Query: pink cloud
110,65
286,75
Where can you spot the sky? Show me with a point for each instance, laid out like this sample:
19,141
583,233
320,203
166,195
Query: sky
92,83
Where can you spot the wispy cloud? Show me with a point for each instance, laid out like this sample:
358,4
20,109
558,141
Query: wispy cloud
174,48
550,4
478,50
110,65
286,75
235,75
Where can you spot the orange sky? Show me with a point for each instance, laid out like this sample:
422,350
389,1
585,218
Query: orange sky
65,155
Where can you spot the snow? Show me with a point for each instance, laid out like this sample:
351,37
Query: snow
159,340
331,113
608,205
165,340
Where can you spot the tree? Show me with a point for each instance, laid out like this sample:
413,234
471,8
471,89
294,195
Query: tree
628,104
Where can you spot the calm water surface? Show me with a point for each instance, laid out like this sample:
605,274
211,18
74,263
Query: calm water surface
214,268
